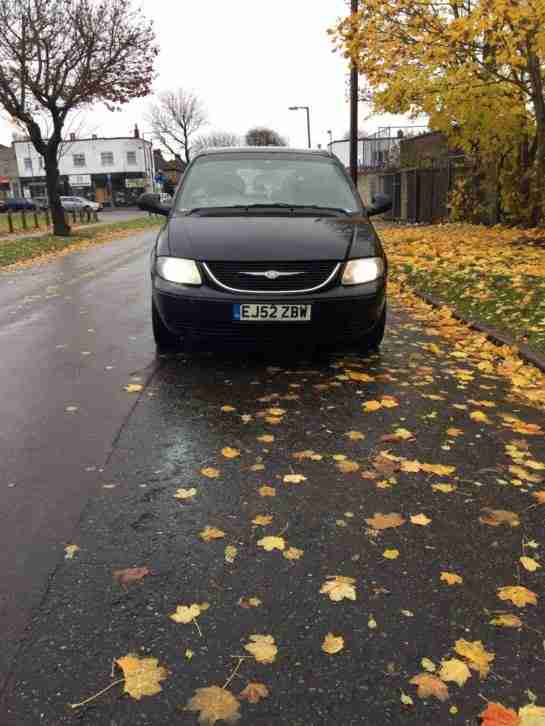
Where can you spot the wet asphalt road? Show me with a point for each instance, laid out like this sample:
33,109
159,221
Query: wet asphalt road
121,459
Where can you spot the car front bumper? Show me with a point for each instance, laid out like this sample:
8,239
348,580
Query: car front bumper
205,315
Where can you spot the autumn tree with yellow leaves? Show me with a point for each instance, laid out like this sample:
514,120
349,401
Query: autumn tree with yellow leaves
475,67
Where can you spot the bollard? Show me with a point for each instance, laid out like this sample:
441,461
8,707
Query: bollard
36,223
10,221
88,216
47,218
81,216
23,218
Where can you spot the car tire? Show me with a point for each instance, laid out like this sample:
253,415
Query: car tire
373,339
165,341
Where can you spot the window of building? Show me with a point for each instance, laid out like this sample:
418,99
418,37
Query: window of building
107,158
78,159
28,163
131,157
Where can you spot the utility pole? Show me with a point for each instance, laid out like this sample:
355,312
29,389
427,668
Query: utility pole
354,111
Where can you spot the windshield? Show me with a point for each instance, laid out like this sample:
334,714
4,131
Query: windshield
253,179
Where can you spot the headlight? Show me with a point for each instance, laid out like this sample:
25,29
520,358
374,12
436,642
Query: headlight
357,272
175,269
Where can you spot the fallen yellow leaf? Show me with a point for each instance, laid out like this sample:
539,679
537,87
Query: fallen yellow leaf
229,453
347,466
230,554
428,685
339,588
451,578
294,478
476,655
518,595
266,491
214,704
391,554
185,493
355,435
420,519
385,521
529,564
262,647
142,675
444,488
454,670
332,644
272,543
210,472
371,406
254,692
507,621
70,551
228,409
133,387
186,613
266,439
262,520
497,517
210,533
293,553
428,665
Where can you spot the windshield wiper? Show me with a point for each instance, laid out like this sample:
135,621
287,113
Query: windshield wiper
275,205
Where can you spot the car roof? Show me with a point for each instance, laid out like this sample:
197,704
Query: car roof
261,149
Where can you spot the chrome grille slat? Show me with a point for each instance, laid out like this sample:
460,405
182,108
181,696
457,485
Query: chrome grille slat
311,276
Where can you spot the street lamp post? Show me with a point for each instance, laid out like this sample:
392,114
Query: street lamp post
330,132
307,109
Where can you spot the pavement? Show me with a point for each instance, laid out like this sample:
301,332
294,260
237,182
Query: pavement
421,586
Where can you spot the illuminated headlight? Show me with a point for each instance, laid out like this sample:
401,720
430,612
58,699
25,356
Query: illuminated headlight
357,272
175,269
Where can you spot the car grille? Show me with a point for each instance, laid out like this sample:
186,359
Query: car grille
312,275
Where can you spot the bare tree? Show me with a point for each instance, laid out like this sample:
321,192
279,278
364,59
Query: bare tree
57,56
214,140
175,118
262,136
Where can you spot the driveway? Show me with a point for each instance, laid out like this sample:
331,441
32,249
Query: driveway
360,537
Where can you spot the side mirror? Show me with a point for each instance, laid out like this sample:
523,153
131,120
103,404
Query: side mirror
380,203
151,202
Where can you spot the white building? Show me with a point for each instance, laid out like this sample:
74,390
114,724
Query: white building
112,171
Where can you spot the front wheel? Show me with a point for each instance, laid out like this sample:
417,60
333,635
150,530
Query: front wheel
373,339
164,339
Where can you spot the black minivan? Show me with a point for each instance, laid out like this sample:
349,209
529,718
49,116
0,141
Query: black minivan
267,245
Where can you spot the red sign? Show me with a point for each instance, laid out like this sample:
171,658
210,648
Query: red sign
4,179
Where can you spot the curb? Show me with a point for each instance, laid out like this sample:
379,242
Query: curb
528,355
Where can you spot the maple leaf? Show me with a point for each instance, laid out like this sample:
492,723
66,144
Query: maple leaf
332,644
215,704
347,466
294,478
266,438
477,657
428,685
142,675
371,406
293,553
497,715
250,602
210,533
262,520
187,613
131,575
266,491
420,519
254,692
529,564
272,543
532,715
451,578
355,435
444,488
229,453
518,595
385,521
391,554
230,554
339,587
185,493
133,387
497,517
70,551
454,670
507,621
262,647
210,472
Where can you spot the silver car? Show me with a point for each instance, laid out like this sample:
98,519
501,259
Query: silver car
72,204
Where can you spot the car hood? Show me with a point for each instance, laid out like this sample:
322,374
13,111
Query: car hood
268,238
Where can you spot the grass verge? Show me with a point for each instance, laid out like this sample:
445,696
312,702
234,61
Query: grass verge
495,276
24,249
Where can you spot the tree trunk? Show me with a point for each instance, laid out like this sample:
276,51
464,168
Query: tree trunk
61,227
538,101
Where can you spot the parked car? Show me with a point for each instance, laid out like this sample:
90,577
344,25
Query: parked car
76,203
41,203
301,264
16,204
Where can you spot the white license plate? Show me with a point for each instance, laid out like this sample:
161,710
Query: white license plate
274,312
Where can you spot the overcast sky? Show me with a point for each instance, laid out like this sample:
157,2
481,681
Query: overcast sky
248,60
